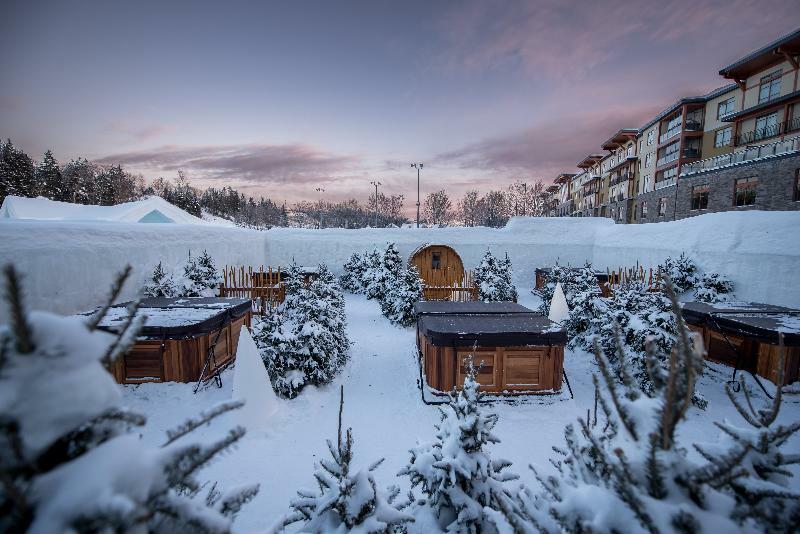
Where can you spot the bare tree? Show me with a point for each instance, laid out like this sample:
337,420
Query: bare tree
526,199
438,208
468,208
493,209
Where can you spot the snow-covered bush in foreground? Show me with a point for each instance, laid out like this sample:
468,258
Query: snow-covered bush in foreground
713,287
304,340
346,502
68,460
493,279
462,484
398,303
626,470
199,278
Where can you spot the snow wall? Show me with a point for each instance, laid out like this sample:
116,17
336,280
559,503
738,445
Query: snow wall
69,266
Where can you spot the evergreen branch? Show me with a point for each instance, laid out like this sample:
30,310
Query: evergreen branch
205,417
126,337
612,389
116,289
19,322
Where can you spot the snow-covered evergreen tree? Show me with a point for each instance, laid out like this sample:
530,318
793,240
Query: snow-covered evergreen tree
346,501
463,485
353,276
161,284
200,277
17,174
304,340
713,287
398,303
581,291
493,279
69,461
624,468
373,280
48,177
682,272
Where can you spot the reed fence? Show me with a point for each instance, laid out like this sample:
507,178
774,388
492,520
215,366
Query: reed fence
265,287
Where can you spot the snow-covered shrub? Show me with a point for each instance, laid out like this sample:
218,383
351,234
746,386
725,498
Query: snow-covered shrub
493,278
69,460
303,341
353,276
462,484
713,287
200,277
625,469
398,303
345,501
581,291
373,274
161,284
682,272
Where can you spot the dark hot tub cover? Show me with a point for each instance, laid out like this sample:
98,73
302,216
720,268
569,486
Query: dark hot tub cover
760,321
491,330
472,307
181,317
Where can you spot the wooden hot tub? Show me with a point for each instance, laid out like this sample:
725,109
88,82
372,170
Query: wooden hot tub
515,350
746,333
173,344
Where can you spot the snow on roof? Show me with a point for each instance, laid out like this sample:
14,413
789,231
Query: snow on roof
148,210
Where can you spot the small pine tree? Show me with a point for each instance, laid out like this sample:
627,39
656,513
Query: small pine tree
373,274
52,438
493,279
682,273
48,177
345,501
161,284
200,277
353,275
398,304
713,287
581,292
17,174
462,483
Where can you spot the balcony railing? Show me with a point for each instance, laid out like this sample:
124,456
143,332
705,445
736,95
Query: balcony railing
669,134
691,152
767,132
749,154
665,183
621,178
693,125
669,158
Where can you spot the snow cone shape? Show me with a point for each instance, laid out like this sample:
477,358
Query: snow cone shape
559,309
251,384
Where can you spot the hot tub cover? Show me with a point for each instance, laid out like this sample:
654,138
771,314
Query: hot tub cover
491,330
751,319
473,307
179,318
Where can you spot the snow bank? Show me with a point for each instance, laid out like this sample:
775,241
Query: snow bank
70,265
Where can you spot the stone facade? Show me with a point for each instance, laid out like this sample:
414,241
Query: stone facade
775,190
653,201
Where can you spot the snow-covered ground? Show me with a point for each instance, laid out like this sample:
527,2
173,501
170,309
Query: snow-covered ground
69,265
384,408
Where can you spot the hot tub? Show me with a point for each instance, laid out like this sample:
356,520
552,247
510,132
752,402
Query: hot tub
514,349
174,343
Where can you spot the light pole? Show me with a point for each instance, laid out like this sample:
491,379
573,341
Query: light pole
320,191
376,184
417,166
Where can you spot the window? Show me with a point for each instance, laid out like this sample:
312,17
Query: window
725,107
745,191
650,136
700,197
648,159
662,206
769,87
766,126
644,209
436,260
647,183
723,137
797,185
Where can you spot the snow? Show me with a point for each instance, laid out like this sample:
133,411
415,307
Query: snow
251,384
559,309
148,210
388,417
788,323
70,264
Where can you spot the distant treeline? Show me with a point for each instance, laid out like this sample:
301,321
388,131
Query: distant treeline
81,181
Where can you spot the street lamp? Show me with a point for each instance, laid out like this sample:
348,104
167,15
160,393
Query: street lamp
320,191
376,184
417,166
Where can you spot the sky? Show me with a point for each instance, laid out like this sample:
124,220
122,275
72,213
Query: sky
281,98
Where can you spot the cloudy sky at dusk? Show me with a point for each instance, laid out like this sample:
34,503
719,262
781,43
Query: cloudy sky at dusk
279,98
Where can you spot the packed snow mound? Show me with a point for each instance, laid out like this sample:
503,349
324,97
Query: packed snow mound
148,210
251,384
559,309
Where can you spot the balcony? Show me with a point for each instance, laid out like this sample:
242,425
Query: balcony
691,153
765,133
669,134
749,154
669,158
693,126
620,179
666,183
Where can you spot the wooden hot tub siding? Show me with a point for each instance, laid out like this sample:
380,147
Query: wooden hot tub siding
499,369
179,360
